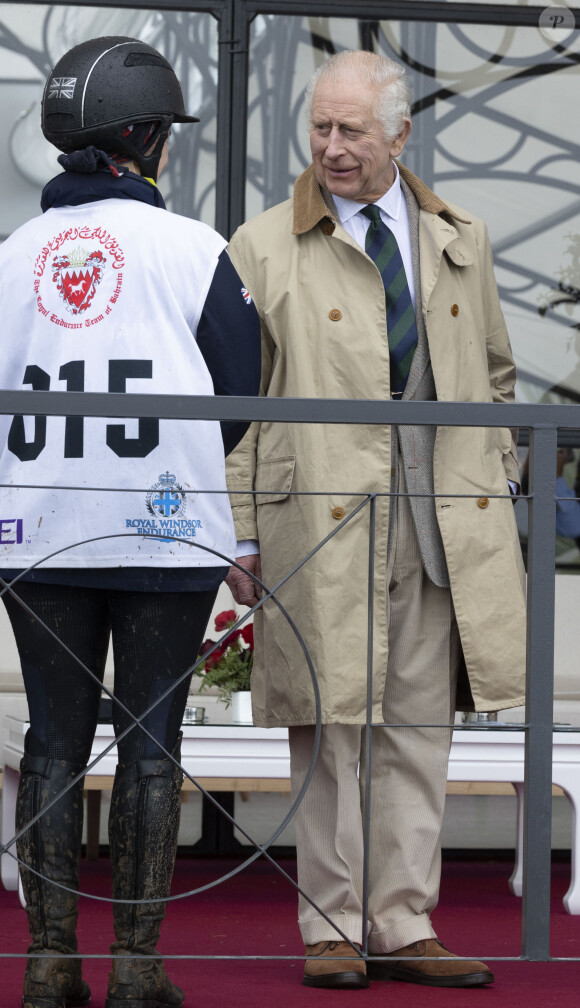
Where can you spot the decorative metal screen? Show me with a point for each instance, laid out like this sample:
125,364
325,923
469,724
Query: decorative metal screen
33,39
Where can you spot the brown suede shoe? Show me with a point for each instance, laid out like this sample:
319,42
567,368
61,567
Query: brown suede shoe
325,968
444,970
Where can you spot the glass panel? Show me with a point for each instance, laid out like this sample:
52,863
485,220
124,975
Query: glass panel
473,141
33,38
491,132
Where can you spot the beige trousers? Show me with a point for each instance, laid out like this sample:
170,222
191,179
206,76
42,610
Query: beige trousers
407,776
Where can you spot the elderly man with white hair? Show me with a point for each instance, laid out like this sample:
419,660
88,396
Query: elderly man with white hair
369,286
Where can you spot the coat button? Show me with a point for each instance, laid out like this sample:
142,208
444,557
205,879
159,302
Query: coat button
483,502
454,310
328,227
338,512
335,315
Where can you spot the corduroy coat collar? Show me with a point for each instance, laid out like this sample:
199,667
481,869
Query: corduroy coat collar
310,206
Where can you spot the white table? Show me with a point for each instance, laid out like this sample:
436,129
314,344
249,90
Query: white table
244,758
499,756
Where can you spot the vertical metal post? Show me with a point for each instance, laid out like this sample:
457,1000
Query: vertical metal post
239,116
233,72
539,694
224,106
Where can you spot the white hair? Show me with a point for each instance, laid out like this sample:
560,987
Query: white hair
393,101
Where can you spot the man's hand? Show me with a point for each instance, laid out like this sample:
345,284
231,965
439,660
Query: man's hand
242,587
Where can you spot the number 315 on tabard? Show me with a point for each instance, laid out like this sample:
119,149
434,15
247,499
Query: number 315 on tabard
73,374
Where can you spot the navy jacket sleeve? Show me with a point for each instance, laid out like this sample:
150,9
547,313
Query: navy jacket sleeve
228,335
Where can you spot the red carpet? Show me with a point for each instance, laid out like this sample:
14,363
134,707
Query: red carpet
254,914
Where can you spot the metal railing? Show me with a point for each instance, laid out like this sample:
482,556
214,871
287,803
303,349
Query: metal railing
545,424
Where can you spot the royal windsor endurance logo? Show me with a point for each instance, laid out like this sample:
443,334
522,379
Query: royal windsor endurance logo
166,498
167,502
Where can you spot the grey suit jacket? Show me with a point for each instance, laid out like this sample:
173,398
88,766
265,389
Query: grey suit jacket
416,444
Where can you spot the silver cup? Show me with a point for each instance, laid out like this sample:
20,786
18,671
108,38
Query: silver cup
478,717
194,715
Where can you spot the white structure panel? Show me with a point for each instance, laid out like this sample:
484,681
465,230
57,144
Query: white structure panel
239,751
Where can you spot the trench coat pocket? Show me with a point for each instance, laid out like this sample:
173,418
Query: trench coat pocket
274,479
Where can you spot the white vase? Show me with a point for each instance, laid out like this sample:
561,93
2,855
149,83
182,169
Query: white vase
242,707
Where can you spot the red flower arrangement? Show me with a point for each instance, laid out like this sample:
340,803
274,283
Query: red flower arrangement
228,665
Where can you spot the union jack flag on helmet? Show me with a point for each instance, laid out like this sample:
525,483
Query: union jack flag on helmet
62,87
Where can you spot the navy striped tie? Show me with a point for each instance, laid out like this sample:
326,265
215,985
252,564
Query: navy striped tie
381,246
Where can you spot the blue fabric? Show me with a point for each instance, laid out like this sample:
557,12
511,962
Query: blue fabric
137,579
567,511
90,175
234,367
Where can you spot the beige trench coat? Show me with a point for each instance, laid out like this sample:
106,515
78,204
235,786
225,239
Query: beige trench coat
321,302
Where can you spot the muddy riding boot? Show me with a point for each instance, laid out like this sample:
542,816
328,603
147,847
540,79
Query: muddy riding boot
52,848
143,827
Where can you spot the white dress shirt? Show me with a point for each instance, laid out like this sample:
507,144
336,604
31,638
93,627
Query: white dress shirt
393,210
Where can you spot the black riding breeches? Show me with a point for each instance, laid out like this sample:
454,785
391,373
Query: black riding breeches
63,642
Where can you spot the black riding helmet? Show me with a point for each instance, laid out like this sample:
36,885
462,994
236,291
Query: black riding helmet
101,91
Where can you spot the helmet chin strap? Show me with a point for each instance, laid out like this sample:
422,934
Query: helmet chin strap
144,146
149,163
